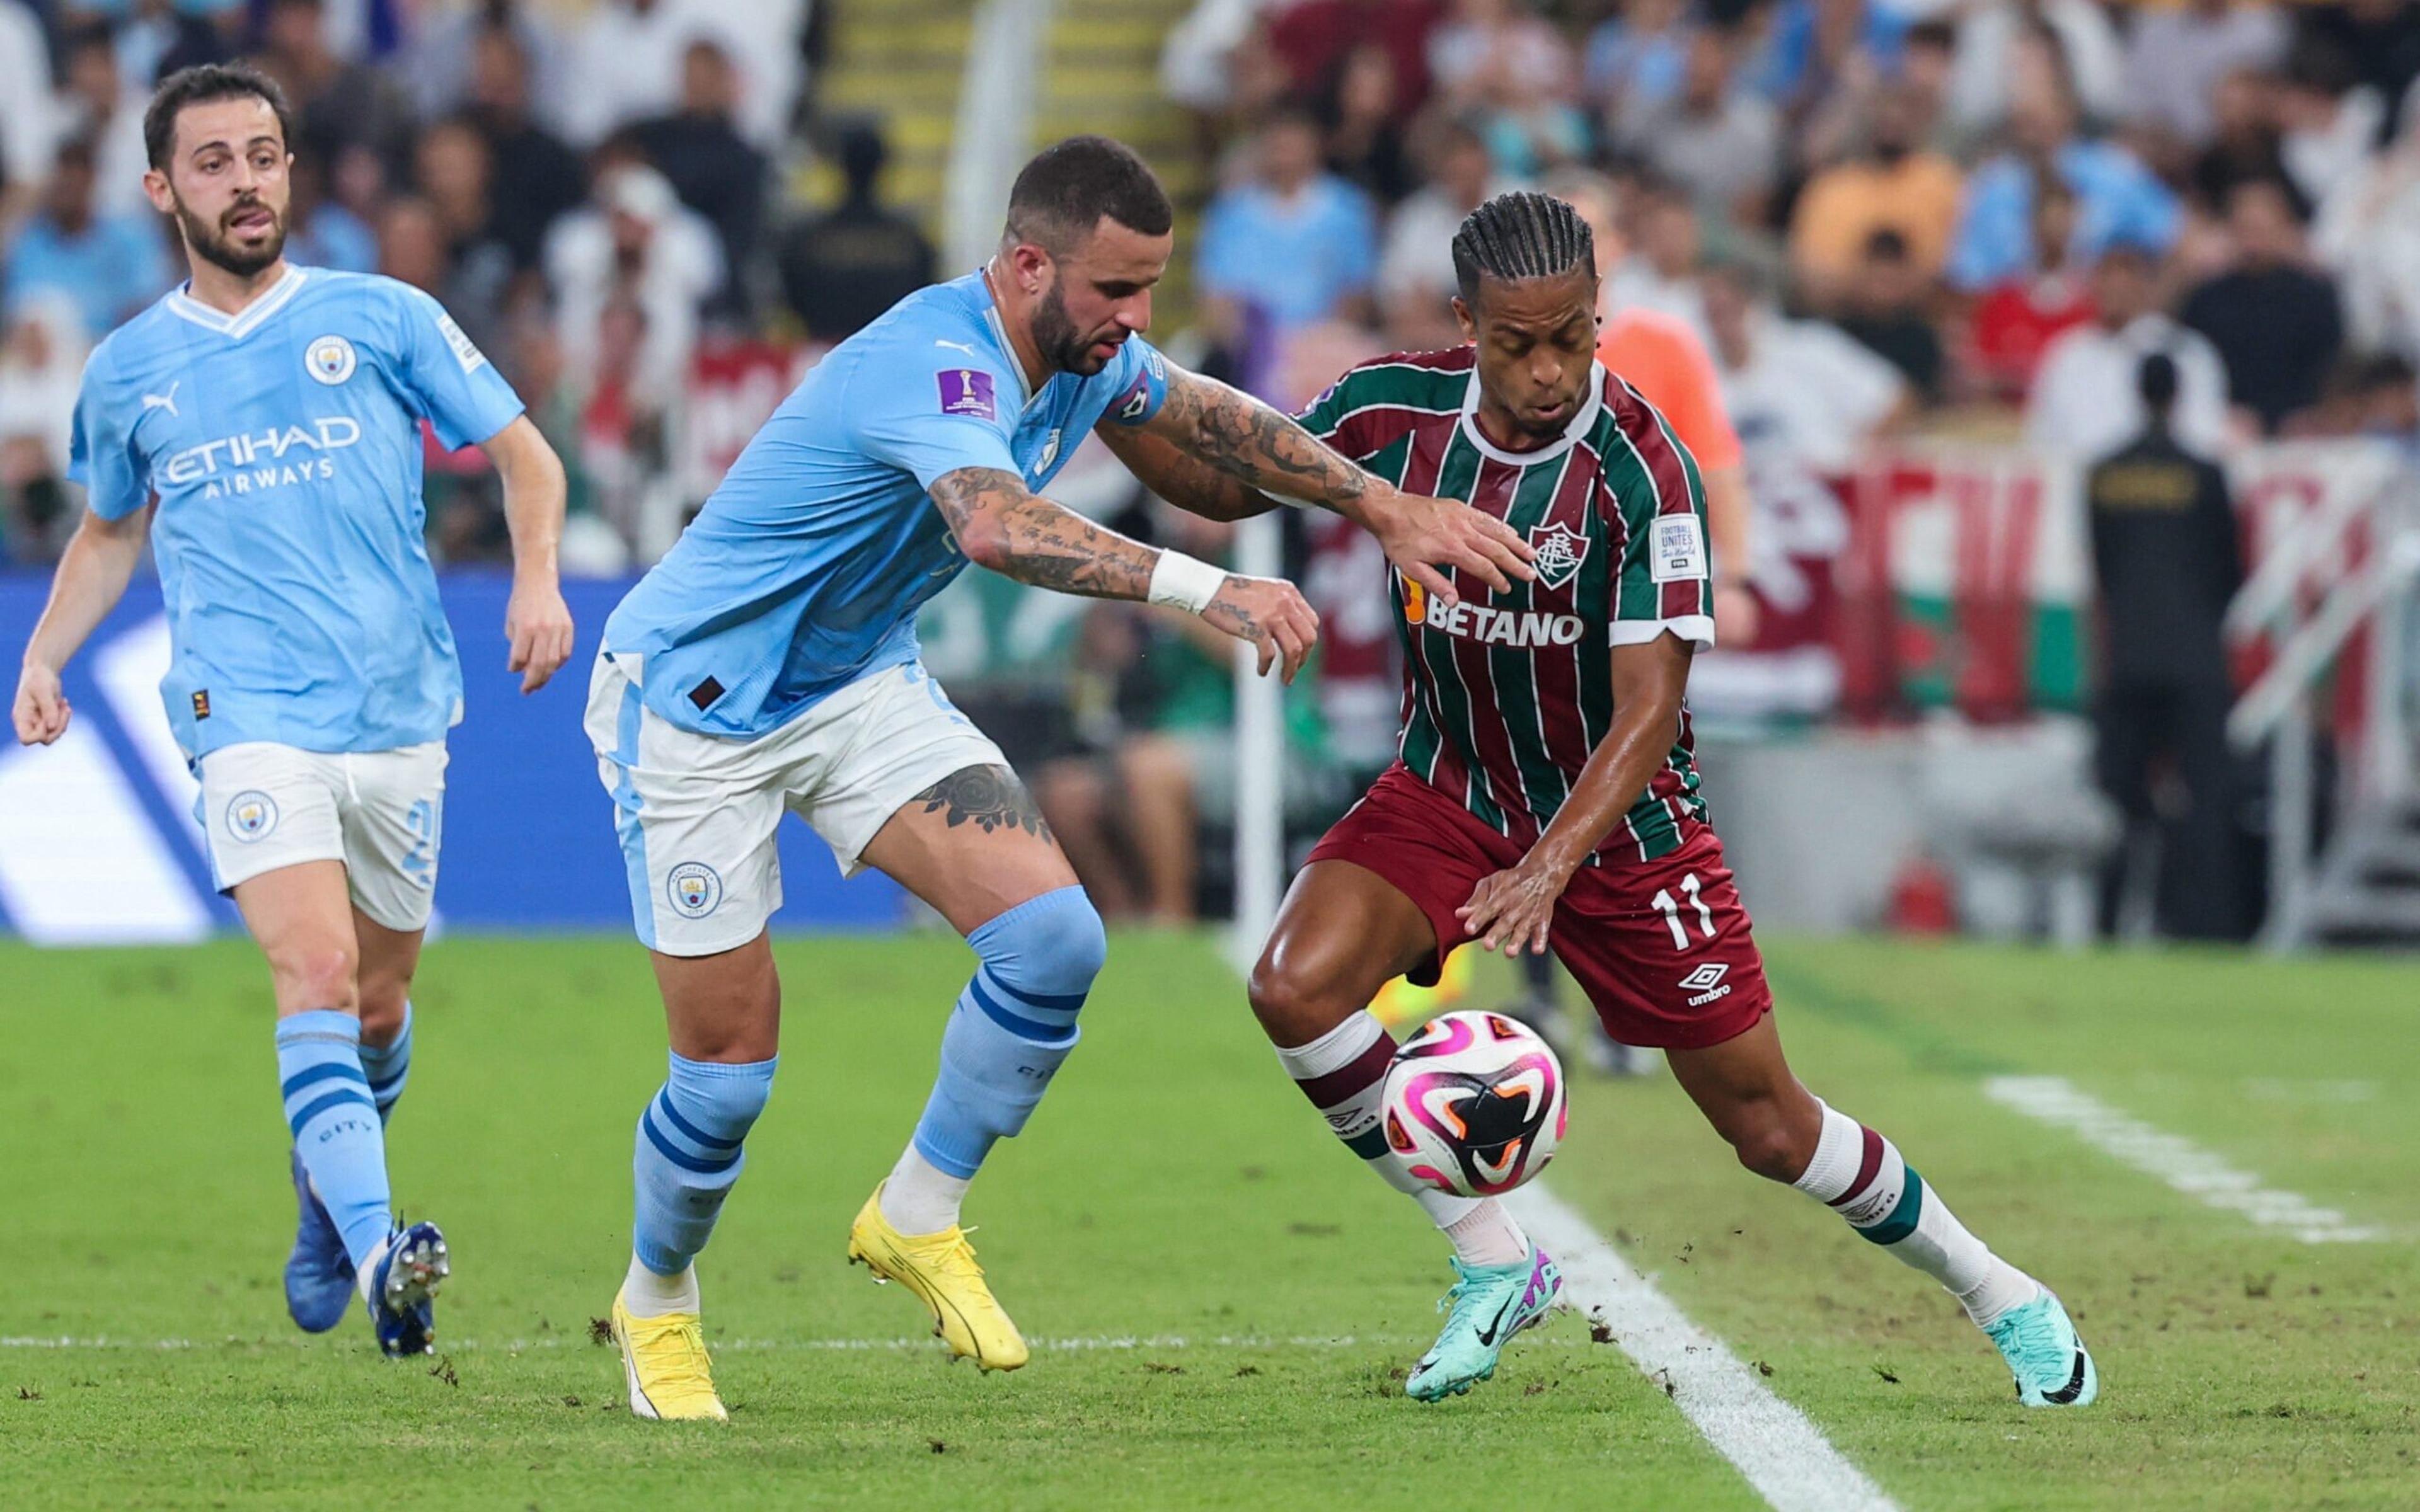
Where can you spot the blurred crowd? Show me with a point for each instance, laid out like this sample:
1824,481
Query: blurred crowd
1971,217
594,188
2002,204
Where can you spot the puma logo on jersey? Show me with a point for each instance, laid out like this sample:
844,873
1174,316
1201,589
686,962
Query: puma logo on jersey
1522,629
164,401
957,346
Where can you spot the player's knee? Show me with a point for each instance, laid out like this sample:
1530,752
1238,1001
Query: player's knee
315,975
1050,947
383,1004
1294,999
384,998
1770,1147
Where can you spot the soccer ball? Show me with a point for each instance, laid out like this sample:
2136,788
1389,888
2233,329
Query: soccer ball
1474,1104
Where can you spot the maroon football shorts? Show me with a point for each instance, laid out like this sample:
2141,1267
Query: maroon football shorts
1662,948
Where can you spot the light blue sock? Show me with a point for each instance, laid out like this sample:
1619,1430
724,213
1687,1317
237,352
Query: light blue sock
388,1067
689,1154
335,1124
1015,1024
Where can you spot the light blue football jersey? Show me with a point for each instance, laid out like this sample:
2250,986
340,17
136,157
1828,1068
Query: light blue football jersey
805,569
285,446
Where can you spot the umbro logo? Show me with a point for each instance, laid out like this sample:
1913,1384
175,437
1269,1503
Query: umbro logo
1706,984
164,401
1704,977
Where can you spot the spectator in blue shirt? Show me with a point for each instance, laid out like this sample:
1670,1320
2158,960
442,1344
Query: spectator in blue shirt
2117,200
1293,244
1814,43
111,266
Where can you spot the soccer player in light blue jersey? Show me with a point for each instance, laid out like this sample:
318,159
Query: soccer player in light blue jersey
768,665
261,427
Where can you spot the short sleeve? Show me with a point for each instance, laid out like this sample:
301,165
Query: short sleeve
101,449
928,419
449,380
1324,416
1138,380
1666,578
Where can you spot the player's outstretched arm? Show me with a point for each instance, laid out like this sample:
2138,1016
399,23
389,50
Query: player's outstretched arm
1243,438
1512,907
1003,525
92,577
538,622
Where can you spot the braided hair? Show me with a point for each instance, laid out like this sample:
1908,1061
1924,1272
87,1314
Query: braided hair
1518,235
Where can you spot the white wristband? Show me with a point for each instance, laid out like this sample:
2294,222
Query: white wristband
1184,582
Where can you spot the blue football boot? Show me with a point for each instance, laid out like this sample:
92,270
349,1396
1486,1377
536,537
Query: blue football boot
319,1274
403,1279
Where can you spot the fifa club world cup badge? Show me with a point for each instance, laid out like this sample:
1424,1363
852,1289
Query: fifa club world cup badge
1561,551
967,391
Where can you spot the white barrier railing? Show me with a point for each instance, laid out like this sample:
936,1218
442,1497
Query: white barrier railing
1003,84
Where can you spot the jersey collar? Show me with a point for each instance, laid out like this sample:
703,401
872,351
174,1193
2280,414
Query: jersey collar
1581,424
998,329
246,321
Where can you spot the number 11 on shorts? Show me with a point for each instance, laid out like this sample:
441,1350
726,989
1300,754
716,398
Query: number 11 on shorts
1671,908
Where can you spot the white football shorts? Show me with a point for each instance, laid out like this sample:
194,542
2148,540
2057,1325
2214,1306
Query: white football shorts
382,812
697,813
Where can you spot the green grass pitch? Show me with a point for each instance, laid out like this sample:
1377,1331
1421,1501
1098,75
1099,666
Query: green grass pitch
1224,1303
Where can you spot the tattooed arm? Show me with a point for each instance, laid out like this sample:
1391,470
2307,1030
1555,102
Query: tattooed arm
1209,447
1243,438
1003,525
1183,479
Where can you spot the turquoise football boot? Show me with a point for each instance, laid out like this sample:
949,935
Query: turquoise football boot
1491,1304
2046,1354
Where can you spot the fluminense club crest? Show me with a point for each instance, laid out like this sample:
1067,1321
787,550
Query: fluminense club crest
1561,551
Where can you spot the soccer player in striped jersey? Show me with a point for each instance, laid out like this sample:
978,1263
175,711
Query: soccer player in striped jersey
1546,796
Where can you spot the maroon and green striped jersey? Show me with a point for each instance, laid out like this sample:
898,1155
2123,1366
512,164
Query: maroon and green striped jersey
1505,695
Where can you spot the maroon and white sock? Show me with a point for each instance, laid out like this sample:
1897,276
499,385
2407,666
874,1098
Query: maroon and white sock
1343,1073
1861,1177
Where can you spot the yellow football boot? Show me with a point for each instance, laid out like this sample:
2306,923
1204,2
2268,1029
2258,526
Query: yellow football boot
941,1271
664,1361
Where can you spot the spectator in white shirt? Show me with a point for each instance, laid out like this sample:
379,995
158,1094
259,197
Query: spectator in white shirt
28,129
1415,283
2331,121
1988,34
634,243
624,64
2085,402
2176,56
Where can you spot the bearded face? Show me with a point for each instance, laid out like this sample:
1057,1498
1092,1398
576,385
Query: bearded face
1063,346
245,237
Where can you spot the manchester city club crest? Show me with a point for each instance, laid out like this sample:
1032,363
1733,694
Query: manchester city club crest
694,889
251,815
329,359
1561,551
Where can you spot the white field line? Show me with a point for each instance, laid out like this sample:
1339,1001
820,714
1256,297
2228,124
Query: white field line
1783,1455
903,1343
2177,1161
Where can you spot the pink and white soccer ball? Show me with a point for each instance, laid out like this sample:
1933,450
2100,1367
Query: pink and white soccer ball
1474,1104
